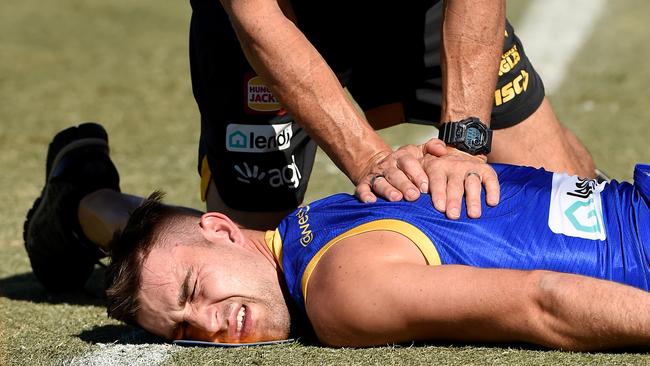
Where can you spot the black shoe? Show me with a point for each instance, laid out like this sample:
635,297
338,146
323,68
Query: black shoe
78,163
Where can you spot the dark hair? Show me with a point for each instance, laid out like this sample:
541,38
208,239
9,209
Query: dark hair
129,249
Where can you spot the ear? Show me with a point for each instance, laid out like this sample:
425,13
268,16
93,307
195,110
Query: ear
217,227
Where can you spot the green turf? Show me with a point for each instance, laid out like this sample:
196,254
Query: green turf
604,97
125,64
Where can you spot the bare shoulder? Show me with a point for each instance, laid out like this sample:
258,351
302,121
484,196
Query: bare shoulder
350,275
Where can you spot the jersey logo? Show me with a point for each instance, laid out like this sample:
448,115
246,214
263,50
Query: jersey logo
306,236
258,138
259,97
576,208
286,176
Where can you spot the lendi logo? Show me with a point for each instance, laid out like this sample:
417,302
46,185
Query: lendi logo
306,236
259,96
258,138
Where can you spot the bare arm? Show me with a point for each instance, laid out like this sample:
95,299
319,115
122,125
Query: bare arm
308,88
305,84
385,299
472,42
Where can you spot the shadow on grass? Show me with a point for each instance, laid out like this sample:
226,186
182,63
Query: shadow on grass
26,287
119,334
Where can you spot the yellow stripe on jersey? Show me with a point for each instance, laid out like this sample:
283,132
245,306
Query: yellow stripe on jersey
274,242
414,234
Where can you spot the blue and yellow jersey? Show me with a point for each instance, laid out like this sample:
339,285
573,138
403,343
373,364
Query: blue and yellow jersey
543,221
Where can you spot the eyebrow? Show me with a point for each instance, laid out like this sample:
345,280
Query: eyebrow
184,291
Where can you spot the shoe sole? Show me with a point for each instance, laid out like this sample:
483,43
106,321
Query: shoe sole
60,147
59,153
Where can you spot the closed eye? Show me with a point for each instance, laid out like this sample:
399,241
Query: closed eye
196,281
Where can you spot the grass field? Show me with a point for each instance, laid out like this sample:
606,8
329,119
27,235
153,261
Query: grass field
124,63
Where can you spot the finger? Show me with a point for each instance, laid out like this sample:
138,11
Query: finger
415,173
438,189
437,182
384,188
435,147
492,188
413,150
473,194
363,192
455,190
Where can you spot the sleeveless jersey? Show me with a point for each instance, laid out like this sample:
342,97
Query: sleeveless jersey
543,221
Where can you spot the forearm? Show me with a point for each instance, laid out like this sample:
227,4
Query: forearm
553,309
306,86
395,302
581,313
472,41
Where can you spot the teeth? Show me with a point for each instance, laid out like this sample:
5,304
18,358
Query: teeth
240,318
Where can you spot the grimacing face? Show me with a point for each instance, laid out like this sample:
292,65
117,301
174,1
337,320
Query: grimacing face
221,292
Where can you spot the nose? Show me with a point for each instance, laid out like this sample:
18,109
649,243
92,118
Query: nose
205,324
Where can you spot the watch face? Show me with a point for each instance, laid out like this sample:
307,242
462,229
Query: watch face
474,137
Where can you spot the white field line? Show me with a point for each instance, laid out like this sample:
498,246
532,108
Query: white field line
552,32
125,354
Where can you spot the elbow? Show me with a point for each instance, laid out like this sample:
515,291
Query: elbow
552,323
346,334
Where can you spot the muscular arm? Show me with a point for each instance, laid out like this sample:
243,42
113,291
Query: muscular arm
385,294
472,42
305,84
308,88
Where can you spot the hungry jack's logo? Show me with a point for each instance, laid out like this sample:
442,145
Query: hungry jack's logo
259,98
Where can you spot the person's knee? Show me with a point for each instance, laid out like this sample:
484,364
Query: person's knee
541,141
583,159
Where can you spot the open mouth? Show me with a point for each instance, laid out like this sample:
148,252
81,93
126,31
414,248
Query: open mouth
241,316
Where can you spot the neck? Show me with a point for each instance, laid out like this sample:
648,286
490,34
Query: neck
255,240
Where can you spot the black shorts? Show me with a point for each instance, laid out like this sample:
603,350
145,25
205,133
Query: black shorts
259,158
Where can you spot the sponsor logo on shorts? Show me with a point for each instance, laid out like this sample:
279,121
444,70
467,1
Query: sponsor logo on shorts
513,88
258,138
576,208
306,235
286,176
509,60
259,97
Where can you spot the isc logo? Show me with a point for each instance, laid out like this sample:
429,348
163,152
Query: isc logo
509,91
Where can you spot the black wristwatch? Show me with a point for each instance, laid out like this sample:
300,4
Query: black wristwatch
469,135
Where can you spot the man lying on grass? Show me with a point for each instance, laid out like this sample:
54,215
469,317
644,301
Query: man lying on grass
560,262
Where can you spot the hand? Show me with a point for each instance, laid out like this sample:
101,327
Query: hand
398,174
455,173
